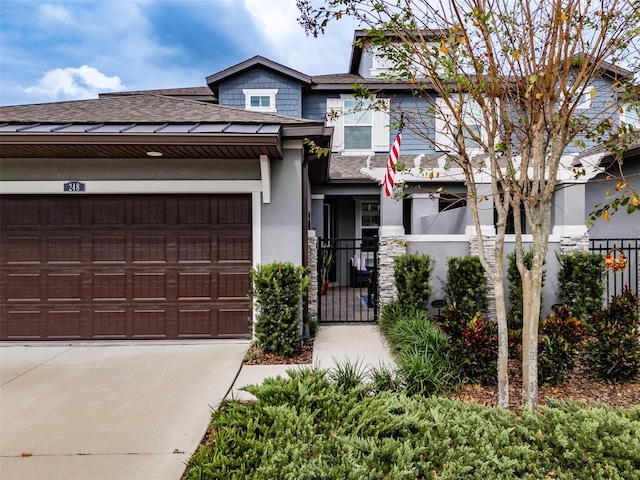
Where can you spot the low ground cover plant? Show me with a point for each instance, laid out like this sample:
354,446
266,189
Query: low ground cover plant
308,426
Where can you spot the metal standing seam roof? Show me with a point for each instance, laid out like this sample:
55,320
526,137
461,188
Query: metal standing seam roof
141,128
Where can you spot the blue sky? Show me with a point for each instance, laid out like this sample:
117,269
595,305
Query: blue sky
73,49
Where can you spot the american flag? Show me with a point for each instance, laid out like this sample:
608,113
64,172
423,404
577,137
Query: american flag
390,175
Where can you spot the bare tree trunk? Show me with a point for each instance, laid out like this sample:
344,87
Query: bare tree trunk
531,292
503,344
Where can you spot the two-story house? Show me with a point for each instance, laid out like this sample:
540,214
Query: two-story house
139,214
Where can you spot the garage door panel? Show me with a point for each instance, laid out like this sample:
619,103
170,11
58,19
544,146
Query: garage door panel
110,286
109,323
23,287
195,249
150,249
63,287
150,212
194,211
150,286
110,212
65,212
101,267
234,248
64,249
109,249
194,286
23,324
232,285
63,324
150,323
197,323
20,212
22,250
232,322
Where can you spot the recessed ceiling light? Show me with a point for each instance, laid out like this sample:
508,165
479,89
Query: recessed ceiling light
154,154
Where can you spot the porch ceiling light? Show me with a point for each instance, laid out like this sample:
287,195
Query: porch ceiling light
154,154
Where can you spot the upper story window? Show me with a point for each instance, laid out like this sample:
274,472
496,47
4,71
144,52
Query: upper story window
630,115
586,99
261,100
358,129
447,125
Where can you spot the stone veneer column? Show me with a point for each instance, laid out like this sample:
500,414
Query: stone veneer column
312,290
392,244
574,243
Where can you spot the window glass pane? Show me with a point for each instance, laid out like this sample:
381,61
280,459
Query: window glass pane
361,115
260,101
357,138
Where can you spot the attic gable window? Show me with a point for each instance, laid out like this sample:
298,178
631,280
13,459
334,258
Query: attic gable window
358,129
260,100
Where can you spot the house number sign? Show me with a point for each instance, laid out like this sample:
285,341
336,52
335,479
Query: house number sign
74,187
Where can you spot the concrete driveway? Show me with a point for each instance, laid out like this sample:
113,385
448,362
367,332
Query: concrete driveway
109,410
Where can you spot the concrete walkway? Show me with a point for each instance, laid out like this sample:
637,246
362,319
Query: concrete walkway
109,411
334,343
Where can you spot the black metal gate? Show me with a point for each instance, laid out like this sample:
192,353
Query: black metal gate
616,281
348,280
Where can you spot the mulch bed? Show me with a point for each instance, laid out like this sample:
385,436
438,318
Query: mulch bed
255,356
582,386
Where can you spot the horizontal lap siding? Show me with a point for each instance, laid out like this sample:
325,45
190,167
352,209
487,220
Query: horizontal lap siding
114,267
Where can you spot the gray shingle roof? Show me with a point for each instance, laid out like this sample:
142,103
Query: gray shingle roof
137,108
181,91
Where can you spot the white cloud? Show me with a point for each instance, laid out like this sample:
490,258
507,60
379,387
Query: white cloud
289,45
73,83
55,14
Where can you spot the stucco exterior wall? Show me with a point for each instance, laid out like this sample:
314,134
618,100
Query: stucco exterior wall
282,218
621,224
83,169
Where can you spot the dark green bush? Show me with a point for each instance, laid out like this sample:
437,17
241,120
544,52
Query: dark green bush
466,285
412,276
308,427
277,289
558,346
581,282
474,345
614,350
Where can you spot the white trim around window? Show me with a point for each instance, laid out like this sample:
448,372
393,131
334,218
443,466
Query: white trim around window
350,123
260,99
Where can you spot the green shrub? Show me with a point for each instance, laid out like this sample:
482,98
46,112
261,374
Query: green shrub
474,345
412,277
466,285
305,426
560,337
581,282
420,349
614,351
277,289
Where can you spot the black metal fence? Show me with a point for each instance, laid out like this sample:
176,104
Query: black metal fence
348,280
616,281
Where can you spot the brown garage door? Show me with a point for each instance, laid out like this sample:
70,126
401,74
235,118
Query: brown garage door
118,267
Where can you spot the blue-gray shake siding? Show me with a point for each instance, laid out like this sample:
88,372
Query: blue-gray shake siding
288,98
